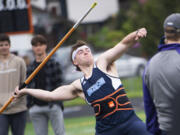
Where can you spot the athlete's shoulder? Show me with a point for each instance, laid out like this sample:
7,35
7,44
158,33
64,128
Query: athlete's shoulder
77,84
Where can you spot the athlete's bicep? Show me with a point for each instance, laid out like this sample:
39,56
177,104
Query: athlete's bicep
66,92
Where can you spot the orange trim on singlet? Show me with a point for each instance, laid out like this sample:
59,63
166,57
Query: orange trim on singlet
99,109
122,95
124,109
116,103
124,103
108,95
117,110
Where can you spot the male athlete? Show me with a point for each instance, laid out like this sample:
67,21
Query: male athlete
101,87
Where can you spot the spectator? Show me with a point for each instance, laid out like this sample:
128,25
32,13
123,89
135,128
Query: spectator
161,79
26,60
176,117
49,77
12,73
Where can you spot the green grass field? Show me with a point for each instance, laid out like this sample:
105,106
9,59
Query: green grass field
76,126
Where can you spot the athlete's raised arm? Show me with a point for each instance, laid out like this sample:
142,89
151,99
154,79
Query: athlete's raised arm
65,92
114,53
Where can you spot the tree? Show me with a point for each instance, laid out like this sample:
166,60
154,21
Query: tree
150,15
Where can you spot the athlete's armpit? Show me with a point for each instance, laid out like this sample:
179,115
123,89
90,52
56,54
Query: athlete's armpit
78,89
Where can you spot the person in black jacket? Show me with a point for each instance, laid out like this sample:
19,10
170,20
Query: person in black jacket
49,77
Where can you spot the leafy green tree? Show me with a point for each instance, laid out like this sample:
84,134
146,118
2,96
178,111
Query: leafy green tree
150,15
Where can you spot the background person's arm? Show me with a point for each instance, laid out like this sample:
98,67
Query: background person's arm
114,53
66,92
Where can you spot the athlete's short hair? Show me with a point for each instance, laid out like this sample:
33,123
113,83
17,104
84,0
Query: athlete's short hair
78,44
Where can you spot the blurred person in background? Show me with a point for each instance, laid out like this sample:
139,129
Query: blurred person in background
161,79
12,73
26,60
101,88
48,78
175,130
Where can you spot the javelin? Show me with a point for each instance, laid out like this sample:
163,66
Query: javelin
49,56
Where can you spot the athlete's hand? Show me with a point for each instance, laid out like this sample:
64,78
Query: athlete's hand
19,93
133,37
140,33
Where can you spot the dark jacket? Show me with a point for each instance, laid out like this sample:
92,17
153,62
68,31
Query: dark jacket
48,78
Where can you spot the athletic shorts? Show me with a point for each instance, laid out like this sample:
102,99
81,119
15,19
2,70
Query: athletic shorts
133,126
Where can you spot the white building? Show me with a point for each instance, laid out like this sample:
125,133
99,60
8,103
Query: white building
103,10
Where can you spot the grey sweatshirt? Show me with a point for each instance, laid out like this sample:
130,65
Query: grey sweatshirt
12,73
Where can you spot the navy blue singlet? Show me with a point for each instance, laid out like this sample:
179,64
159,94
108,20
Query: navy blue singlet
99,86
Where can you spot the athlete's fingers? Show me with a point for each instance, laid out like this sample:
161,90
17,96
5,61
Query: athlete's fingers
140,33
17,92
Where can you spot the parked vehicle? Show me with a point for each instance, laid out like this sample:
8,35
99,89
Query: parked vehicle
129,66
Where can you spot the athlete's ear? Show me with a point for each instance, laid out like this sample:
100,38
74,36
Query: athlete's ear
75,62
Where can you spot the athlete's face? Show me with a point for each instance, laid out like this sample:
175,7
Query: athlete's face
4,48
83,56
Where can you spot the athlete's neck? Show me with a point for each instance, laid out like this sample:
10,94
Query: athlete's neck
87,70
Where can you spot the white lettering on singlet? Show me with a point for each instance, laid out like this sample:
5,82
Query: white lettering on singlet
96,86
